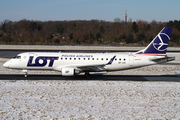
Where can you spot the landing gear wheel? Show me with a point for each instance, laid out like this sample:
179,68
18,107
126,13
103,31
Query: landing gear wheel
25,75
87,75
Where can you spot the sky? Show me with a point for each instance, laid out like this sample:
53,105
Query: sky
107,10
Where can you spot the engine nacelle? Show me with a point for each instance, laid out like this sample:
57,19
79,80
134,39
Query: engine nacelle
69,71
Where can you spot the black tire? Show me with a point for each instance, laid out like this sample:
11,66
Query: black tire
87,75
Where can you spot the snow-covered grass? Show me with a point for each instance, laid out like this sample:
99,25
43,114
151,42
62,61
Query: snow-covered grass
89,100
105,100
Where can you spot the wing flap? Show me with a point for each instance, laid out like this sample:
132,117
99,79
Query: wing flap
95,67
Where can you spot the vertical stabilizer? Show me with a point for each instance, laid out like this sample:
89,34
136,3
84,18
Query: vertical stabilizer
159,44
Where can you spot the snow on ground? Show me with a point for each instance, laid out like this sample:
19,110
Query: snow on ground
105,100
89,100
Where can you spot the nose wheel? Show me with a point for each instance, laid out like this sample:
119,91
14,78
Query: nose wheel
87,75
26,73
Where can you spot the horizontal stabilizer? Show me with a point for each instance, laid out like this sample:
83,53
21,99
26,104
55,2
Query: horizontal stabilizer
164,58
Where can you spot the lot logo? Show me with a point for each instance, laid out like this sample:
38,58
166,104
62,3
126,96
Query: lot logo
161,42
41,61
67,72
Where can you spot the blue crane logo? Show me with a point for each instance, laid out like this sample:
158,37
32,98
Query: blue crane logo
161,42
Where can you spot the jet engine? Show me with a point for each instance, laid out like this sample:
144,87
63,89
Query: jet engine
69,71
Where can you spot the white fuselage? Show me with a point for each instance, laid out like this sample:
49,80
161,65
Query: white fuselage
102,61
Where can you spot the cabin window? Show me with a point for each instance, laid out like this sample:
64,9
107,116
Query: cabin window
124,59
70,58
97,58
106,58
74,58
92,58
88,58
101,58
65,58
84,58
120,59
61,58
115,59
79,58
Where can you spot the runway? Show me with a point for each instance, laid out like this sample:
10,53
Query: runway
94,77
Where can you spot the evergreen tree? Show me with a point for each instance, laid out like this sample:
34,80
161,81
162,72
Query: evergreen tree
129,39
33,25
98,35
134,27
4,27
71,36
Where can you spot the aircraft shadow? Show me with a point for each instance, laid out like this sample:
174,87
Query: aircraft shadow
98,77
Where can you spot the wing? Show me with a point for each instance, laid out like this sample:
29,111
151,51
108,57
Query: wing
87,67
95,67
79,67
92,68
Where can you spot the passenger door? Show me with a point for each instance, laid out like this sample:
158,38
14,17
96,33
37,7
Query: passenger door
131,59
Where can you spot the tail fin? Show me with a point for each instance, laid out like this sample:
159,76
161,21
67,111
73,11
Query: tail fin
159,44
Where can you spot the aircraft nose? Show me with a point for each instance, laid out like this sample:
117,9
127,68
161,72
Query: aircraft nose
6,64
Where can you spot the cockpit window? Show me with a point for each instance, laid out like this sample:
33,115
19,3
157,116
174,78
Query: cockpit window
17,57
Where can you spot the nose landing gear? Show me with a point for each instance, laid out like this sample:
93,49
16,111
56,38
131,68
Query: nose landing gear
26,73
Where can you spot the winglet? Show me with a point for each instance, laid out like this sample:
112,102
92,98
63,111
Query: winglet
110,62
159,44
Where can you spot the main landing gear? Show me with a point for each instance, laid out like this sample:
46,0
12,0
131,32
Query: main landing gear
87,75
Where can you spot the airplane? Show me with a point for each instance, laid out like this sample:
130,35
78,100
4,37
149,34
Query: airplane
70,64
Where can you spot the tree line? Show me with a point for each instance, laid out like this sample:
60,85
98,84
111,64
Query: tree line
82,32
